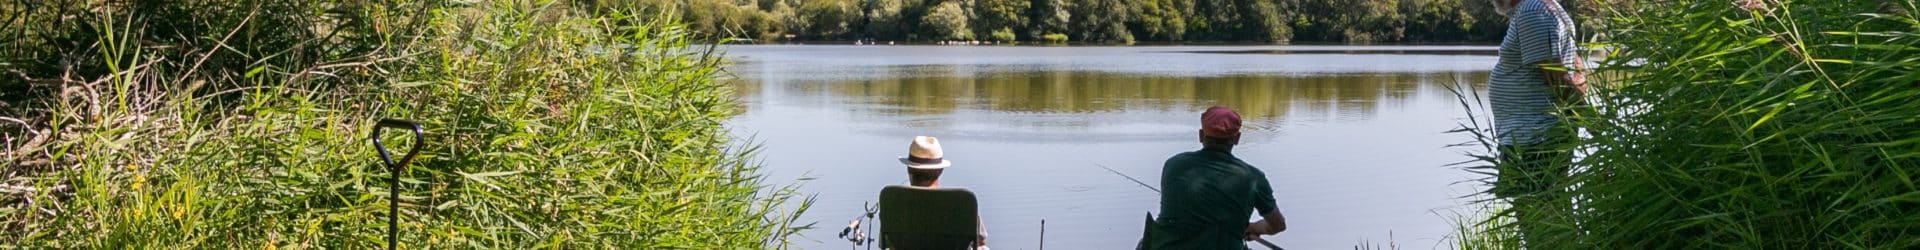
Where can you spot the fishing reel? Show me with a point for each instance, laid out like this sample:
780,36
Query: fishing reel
853,233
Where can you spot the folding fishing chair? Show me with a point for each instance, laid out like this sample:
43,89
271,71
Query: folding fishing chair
917,218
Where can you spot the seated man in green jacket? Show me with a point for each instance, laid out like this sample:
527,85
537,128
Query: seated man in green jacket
1209,193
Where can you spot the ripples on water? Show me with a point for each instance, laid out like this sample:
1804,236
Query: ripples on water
1350,136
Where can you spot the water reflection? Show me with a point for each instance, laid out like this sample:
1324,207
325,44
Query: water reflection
1075,100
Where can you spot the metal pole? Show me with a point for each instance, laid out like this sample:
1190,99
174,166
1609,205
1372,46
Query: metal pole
1043,234
393,171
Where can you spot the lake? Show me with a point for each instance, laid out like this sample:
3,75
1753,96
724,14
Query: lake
1352,138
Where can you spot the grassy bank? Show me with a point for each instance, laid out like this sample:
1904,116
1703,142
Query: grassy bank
1748,125
244,124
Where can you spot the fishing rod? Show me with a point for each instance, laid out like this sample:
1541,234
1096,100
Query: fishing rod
1262,242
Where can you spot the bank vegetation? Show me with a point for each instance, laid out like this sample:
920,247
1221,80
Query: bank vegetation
1753,124
245,124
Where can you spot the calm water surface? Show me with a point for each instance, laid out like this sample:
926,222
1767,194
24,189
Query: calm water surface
1351,137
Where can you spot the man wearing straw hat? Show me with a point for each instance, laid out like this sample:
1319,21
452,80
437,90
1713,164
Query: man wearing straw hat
925,161
1207,194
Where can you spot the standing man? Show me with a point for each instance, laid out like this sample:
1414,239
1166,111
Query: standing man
1209,193
1537,77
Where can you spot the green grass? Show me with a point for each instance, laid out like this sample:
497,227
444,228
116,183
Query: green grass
1781,125
547,127
1486,229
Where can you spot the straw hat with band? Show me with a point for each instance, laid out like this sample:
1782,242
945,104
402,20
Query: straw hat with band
924,154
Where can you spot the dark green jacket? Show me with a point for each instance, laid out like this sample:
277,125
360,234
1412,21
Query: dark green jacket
1206,200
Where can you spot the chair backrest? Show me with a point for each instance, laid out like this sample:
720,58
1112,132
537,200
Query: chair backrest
1147,234
914,218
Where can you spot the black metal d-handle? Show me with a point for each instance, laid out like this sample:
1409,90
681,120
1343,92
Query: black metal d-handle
393,169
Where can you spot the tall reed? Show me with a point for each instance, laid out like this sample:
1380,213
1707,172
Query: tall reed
1752,124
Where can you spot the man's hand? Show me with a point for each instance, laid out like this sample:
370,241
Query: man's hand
1569,86
1269,224
1574,88
1255,230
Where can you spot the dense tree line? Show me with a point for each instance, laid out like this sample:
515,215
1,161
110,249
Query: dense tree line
1100,21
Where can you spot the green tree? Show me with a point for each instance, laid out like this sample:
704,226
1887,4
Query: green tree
947,21
788,18
1212,20
913,15
1444,20
1101,21
883,19
1048,17
1262,21
1311,27
991,16
1162,20
1377,20
829,19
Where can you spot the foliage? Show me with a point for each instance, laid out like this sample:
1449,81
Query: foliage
1745,125
1275,21
1003,35
829,18
1101,21
1239,20
547,127
52,41
719,19
991,16
1160,20
1048,17
1485,232
1054,38
1438,20
884,19
948,21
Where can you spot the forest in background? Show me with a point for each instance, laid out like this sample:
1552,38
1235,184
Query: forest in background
1094,21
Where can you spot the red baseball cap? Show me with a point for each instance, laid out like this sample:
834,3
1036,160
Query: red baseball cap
1220,122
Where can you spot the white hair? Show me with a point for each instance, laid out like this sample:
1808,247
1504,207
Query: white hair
1504,7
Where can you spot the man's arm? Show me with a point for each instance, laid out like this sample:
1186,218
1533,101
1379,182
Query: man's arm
982,241
1269,224
1542,43
1569,84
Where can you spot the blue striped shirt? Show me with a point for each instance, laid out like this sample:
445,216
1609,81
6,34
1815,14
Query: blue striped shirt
1538,31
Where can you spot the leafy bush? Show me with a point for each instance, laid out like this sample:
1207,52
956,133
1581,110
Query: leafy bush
547,127
1749,125
1055,38
1003,35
